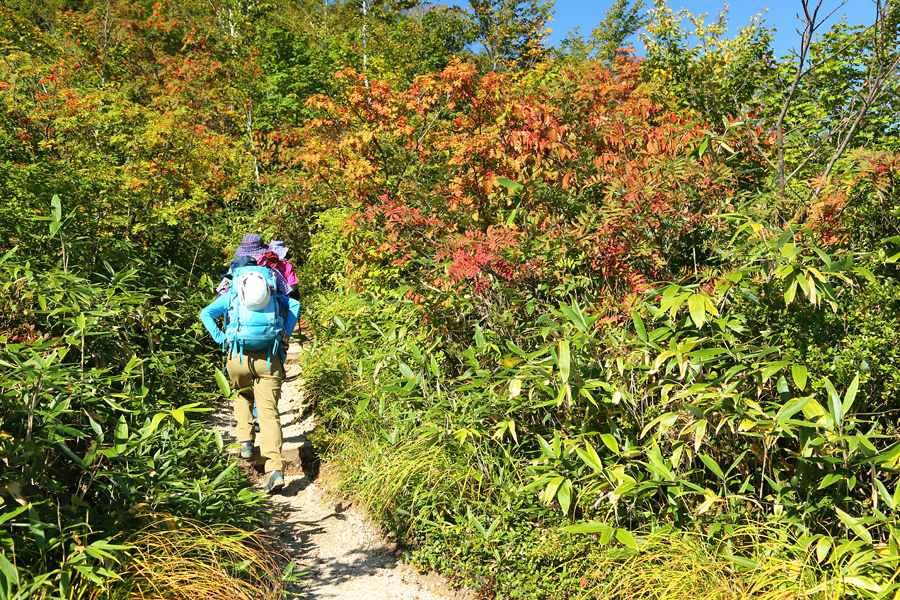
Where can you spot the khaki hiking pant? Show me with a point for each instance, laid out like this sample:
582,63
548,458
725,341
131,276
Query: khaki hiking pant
249,371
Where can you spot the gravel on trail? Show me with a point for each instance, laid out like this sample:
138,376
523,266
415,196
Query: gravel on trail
337,553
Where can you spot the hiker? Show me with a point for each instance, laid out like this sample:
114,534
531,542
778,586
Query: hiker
255,340
286,268
252,251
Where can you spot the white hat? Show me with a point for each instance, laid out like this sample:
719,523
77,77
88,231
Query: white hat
252,290
278,248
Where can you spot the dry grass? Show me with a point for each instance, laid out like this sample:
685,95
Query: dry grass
186,560
682,566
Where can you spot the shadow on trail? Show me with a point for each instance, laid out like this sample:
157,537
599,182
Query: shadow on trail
322,570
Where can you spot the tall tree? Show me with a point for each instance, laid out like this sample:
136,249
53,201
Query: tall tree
699,67
836,91
513,33
832,89
621,21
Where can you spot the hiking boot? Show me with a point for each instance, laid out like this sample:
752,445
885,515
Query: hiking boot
274,481
255,425
246,450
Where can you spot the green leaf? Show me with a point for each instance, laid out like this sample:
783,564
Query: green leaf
888,458
118,407
120,439
564,495
574,314
850,396
789,409
564,360
65,450
813,410
703,146
434,368
854,525
510,185
822,548
824,256
639,326
798,373
863,582
154,423
791,292
610,442
624,488
406,371
222,382
830,479
665,421
221,477
712,465
37,528
697,308
590,457
590,527
624,536
551,489
10,514
773,368
834,402
94,424
56,208
885,495
672,305
9,571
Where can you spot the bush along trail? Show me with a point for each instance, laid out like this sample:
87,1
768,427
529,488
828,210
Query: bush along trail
104,463
570,344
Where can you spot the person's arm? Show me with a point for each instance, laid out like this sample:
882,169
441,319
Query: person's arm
290,275
292,317
208,315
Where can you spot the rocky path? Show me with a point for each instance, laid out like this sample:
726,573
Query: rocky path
336,551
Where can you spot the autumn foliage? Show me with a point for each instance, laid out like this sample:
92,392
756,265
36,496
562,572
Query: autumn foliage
489,183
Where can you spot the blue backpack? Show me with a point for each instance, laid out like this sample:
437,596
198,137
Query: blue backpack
249,329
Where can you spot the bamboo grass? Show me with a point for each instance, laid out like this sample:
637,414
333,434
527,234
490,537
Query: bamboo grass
187,560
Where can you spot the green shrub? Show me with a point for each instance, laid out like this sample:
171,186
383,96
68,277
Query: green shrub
99,382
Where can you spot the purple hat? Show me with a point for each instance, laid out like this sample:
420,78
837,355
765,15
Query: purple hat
278,248
251,245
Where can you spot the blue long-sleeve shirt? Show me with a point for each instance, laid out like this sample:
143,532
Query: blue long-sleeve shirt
219,307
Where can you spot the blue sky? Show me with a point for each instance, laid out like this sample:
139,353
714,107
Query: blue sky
570,13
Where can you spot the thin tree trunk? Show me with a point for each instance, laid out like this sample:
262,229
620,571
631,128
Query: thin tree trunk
365,9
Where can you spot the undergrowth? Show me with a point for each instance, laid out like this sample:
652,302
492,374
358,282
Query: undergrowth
181,559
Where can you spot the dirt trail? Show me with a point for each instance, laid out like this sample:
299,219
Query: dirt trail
339,555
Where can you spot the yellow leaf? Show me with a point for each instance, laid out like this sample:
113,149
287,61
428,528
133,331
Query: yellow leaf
13,489
863,583
707,504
